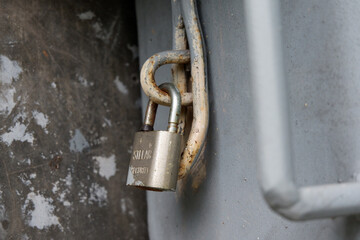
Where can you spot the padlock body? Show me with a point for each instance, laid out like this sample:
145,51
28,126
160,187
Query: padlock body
154,163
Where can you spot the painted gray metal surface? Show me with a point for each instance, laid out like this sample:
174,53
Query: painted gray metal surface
322,55
275,170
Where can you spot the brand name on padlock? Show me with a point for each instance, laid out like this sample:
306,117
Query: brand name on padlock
142,154
139,170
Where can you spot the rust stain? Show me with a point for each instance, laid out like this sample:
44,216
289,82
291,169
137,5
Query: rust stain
148,71
196,175
55,163
199,174
161,92
45,53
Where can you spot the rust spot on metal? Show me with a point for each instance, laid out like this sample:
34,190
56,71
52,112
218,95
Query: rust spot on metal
163,93
148,71
45,53
55,163
199,174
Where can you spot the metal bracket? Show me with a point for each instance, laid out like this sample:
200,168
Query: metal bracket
275,164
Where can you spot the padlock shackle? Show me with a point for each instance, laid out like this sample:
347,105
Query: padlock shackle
175,109
150,115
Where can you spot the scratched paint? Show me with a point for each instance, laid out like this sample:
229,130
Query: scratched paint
55,187
121,86
134,51
98,195
7,102
24,179
9,70
17,133
82,194
41,119
78,142
105,33
83,81
39,212
107,122
106,166
2,207
100,32
123,205
68,180
130,177
86,15
25,237
62,190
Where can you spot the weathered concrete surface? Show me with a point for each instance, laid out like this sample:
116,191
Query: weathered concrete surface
68,110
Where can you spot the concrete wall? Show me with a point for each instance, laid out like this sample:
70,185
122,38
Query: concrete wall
69,100
322,57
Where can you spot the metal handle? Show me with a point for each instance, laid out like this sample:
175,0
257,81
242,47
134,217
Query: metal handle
275,164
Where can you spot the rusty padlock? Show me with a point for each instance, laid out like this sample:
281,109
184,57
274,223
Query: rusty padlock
155,157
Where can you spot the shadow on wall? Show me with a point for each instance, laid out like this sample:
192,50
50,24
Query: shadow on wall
352,228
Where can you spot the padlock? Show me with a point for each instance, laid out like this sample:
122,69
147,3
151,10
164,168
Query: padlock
155,157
